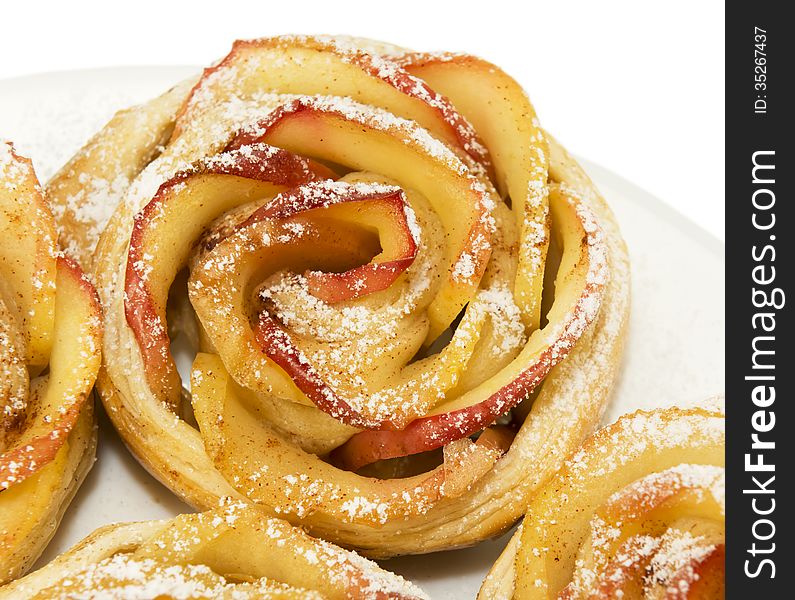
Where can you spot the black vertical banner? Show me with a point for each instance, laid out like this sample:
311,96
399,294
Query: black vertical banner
760,261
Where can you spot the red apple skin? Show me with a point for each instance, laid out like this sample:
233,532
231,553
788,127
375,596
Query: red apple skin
277,343
698,578
359,281
480,231
435,431
279,347
271,121
293,202
21,462
259,162
394,75
372,277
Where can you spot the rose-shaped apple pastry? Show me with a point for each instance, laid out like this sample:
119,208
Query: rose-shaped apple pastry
233,551
405,303
637,512
49,357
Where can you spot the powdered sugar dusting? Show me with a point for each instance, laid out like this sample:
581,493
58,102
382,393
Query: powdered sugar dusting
180,559
648,530
372,351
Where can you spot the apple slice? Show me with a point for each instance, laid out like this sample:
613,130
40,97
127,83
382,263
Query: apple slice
29,508
369,395
27,255
235,551
378,340
165,230
367,139
621,577
271,471
322,65
579,285
381,208
323,224
502,114
74,363
633,572
304,425
675,508
397,403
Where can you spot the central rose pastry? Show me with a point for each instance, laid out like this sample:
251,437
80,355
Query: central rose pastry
404,302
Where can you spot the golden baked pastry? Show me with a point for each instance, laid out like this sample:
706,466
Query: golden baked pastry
49,357
233,552
404,301
637,512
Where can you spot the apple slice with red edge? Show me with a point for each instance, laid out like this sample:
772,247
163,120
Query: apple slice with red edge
503,116
703,577
398,252
73,366
165,230
243,446
332,67
366,139
328,215
642,514
578,290
385,211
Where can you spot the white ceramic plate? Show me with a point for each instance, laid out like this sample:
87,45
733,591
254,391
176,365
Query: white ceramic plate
675,352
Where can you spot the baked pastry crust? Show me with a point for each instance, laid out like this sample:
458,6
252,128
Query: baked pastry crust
407,131
50,331
233,551
637,512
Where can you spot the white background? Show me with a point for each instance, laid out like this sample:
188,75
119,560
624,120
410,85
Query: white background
637,87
